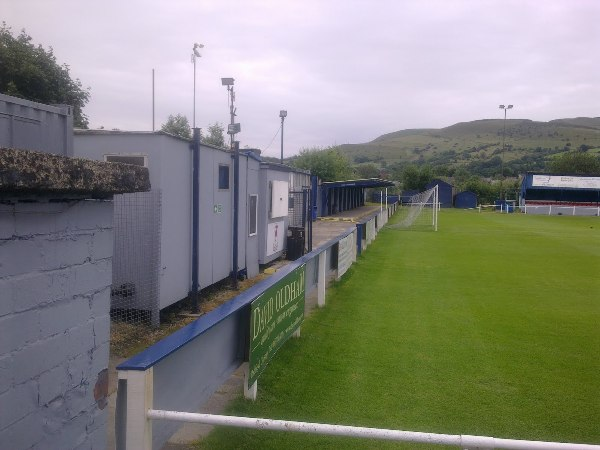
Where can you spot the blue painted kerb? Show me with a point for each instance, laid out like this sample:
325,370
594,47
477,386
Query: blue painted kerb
157,352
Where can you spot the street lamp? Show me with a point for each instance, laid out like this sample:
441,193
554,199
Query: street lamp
505,108
232,129
195,54
283,115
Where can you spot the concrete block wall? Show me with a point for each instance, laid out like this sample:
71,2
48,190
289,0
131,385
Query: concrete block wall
55,277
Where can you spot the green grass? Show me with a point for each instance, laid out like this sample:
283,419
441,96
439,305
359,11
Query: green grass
491,326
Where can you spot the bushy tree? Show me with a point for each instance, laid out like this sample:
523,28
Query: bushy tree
328,164
215,136
369,170
177,126
31,72
575,163
415,177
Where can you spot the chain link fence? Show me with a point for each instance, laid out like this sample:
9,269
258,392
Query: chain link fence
136,258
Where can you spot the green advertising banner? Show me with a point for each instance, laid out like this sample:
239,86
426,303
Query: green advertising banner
275,315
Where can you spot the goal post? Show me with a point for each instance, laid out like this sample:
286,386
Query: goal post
420,212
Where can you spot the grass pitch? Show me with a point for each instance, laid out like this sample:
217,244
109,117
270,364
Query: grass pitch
491,326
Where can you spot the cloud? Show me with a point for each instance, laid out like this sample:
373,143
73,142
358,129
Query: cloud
346,71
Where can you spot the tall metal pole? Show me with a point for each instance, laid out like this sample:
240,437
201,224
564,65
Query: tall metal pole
505,108
282,118
194,120
503,145
153,99
195,54
231,111
283,115
195,217
236,205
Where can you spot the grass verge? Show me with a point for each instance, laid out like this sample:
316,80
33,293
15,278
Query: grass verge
488,327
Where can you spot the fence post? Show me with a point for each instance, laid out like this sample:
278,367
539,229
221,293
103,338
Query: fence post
140,392
250,392
321,279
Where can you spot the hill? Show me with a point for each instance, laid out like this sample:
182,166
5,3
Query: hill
477,145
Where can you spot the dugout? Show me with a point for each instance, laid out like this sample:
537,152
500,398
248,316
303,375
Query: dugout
465,200
544,193
445,192
340,196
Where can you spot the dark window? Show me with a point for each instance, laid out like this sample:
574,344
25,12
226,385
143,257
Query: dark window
253,211
223,177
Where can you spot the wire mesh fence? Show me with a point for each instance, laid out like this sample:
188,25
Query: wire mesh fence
136,258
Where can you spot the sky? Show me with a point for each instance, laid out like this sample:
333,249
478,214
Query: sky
346,71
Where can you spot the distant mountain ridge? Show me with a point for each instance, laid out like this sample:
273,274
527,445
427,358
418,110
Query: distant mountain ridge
477,145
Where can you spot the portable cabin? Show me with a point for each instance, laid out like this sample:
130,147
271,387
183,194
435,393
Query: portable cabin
30,125
153,231
281,189
465,200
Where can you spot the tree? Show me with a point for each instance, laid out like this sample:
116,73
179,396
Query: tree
216,135
177,126
328,164
32,73
575,163
369,170
416,178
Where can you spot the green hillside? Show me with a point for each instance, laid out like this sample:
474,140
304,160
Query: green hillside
477,145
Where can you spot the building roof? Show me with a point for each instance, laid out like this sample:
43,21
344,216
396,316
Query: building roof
364,183
550,181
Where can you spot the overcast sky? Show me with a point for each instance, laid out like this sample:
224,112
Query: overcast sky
346,71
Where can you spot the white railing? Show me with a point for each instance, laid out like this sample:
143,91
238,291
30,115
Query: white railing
548,210
463,441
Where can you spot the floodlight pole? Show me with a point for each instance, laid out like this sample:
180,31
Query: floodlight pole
505,108
235,147
283,115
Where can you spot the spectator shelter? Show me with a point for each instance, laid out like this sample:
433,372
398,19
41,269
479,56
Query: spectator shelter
340,196
465,200
445,192
560,194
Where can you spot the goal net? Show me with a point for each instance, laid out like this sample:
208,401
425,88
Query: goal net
420,212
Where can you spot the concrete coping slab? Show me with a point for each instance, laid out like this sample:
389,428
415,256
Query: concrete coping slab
26,173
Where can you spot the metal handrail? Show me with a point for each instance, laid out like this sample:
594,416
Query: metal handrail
459,440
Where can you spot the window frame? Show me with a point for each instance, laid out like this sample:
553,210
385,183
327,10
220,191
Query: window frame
219,177
250,209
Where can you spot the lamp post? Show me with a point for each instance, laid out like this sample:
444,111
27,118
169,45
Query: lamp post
195,54
195,292
505,108
283,115
232,129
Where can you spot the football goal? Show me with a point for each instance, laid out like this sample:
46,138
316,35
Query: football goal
420,212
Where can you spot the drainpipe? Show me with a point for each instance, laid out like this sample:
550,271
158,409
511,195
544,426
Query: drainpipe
195,217
236,204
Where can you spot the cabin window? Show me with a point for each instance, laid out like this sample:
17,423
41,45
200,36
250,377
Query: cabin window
253,212
223,176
